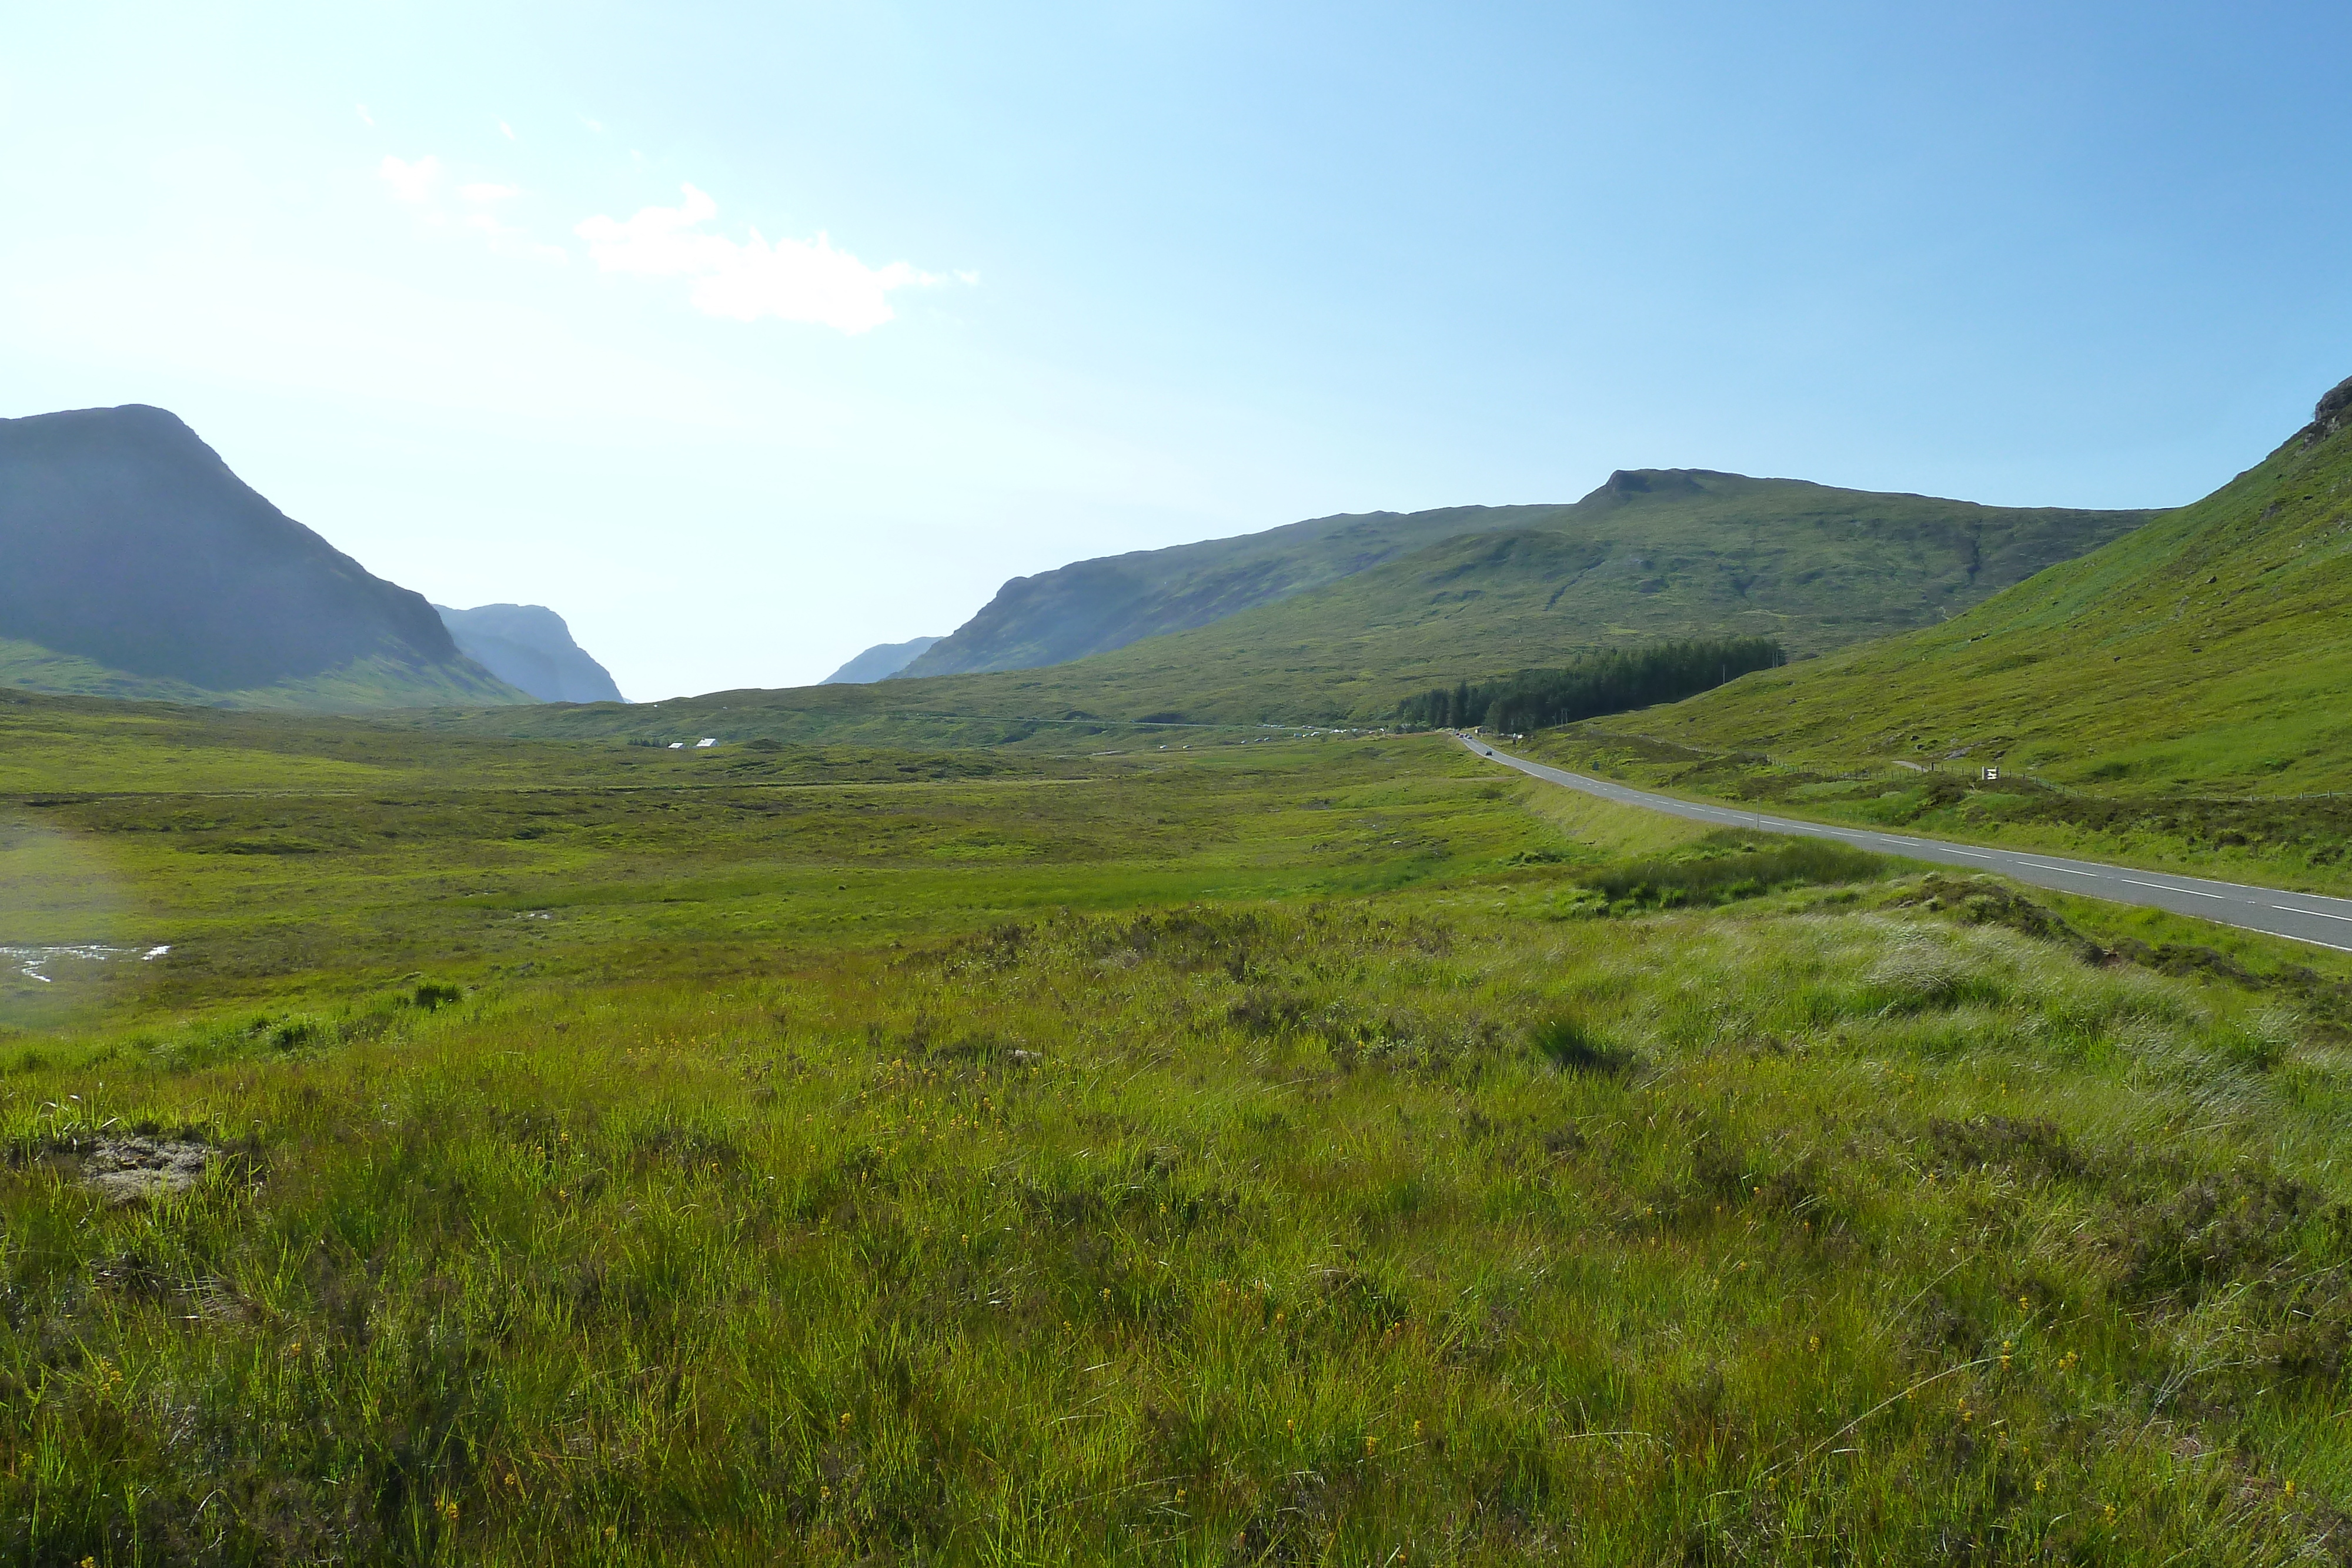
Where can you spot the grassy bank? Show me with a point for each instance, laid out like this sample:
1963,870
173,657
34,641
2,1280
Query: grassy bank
2282,841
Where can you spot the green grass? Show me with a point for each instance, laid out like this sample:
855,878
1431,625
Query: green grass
1729,865
2204,655
1258,1153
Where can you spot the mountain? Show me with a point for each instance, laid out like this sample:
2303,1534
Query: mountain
1649,555
528,646
879,662
1094,606
2211,651
1348,606
138,565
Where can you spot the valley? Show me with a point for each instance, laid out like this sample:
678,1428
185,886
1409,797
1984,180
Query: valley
1173,786
584,1128
1167,1097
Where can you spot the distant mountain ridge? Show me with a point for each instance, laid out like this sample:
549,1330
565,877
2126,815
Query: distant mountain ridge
1094,606
138,565
528,646
880,662
1650,555
1729,553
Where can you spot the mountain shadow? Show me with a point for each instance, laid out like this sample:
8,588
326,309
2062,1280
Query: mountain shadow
138,564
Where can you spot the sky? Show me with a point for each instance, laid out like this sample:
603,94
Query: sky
745,335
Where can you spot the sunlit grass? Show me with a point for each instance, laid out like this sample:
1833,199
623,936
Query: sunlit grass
1257,1160
1136,1238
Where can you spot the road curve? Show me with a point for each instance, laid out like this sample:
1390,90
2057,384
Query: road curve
2300,916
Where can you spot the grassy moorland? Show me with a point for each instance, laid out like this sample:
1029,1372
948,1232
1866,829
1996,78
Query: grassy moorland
1323,1152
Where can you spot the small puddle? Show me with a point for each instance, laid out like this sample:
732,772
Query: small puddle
32,962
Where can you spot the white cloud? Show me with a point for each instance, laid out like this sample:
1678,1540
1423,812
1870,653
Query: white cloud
417,184
411,181
506,131
795,280
365,117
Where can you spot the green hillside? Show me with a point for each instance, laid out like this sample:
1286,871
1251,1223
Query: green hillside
1648,556
2209,651
1093,606
1651,555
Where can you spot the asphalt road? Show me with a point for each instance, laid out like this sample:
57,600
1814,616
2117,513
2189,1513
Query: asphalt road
2302,917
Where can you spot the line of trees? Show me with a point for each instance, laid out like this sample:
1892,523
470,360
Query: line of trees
1598,684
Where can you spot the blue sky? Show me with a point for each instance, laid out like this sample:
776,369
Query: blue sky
746,336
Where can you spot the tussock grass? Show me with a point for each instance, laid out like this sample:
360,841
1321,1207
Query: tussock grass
856,1157
1725,866
1260,1233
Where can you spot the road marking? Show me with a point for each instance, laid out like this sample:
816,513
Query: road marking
1926,849
2170,887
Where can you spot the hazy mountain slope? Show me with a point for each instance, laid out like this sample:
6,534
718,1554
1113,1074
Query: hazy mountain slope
1092,606
879,662
1650,555
1647,556
136,560
2211,649
528,646
1711,552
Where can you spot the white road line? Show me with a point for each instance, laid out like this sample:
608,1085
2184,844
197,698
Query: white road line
2174,887
1928,848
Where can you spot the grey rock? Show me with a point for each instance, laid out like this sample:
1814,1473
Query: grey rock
139,1169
